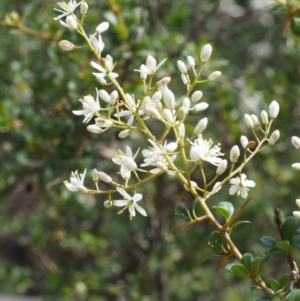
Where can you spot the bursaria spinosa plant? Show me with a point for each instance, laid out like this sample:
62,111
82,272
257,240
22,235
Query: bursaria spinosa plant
180,157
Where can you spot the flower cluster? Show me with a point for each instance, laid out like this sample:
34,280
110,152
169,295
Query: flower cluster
128,112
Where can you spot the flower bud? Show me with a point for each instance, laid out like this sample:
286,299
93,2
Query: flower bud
104,95
264,117
296,142
169,99
182,113
184,78
216,187
244,141
123,134
296,214
274,137
163,82
192,184
255,120
215,75
171,147
249,121
181,66
201,106
186,103
168,116
107,204
104,177
296,166
222,167
113,97
200,127
143,72
298,202
82,189
161,166
206,53
154,113
83,8
181,130
94,175
156,97
71,22
196,96
234,154
94,129
102,27
66,45
274,109
191,61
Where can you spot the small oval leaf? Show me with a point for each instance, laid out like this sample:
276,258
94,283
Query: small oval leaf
273,284
215,241
257,265
226,209
239,270
247,259
283,245
289,227
268,241
182,212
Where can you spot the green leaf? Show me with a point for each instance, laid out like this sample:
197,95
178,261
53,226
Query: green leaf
239,223
273,284
295,27
239,270
283,245
273,253
215,241
257,265
284,280
208,257
247,259
296,242
289,227
275,7
226,209
268,241
256,287
298,230
294,295
182,212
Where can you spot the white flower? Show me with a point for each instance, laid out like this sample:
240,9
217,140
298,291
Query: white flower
76,182
133,108
201,150
71,22
107,71
130,202
151,66
90,106
126,161
240,184
97,43
68,9
155,156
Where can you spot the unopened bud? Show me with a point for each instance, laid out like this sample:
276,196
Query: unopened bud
84,8
143,72
192,184
255,120
234,154
82,189
102,27
296,142
274,137
94,175
296,166
184,78
196,96
71,22
104,177
200,127
154,113
66,45
181,66
171,147
264,117
182,113
107,204
274,109
206,53
123,134
168,116
222,167
201,106
169,99
298,202
191,61
244,141
215,75
113,97
249,121
94,129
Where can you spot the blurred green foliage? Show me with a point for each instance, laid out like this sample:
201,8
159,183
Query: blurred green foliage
66,246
